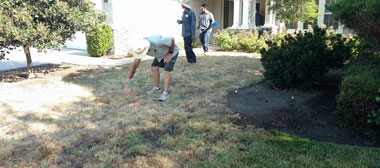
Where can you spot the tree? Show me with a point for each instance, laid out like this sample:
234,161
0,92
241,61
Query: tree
44,24
361,16
294,10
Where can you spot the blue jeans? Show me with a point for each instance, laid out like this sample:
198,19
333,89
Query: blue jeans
189,50
205,40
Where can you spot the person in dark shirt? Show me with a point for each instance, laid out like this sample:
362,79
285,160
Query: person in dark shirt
258,19
188,31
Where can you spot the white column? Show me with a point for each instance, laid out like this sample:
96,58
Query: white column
245,15
268,15
300,26
236,14
270,19
340,28
253,13
321,11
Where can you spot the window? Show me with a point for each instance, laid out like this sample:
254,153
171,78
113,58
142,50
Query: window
290,25
329,20
306,24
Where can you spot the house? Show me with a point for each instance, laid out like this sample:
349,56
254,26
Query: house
136,18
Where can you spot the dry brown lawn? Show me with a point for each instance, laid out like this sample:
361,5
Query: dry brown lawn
82,117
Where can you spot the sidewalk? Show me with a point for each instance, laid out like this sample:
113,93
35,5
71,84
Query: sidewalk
80,57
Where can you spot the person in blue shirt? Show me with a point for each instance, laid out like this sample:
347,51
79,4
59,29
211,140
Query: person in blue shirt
188,31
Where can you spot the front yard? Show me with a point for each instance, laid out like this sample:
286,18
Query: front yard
82,117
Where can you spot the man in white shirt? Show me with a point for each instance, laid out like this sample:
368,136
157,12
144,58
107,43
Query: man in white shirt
165,53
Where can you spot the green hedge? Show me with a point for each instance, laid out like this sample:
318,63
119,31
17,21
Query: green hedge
298,60
99,40
247,41
357,98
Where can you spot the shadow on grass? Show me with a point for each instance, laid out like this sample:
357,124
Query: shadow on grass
19,74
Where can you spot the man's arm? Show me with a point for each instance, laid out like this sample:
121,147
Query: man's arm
211,21
135,65
169,56
193,23
199,22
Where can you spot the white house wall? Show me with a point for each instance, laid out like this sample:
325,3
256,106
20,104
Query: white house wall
79,40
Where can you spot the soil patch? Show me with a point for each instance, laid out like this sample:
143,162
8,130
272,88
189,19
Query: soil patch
308,114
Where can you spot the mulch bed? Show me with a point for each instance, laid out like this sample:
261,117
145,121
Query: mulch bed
309,114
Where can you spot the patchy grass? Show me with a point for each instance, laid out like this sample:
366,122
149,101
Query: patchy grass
84,118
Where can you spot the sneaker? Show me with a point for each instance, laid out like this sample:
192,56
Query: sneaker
164,96
154,90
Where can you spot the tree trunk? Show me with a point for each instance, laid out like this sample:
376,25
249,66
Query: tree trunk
28,58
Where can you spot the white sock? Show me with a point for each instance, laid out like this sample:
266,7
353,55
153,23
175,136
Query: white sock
156,88
165,93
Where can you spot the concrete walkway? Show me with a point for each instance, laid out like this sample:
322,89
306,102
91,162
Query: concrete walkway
72,56
80,57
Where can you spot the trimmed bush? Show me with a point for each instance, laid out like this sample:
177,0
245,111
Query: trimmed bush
247,41
374,117
358,92
298,60
226,40
250,42
99,40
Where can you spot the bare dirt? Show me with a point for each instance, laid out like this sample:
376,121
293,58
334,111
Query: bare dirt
310,114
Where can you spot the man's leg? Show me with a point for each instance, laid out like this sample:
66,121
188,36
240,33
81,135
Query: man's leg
202,39
189,50
156,76
167,78
206,40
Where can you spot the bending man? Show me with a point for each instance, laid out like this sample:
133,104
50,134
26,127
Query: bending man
165,53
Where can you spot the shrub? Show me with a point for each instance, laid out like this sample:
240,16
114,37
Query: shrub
247,41
357,98
250,42
226,40
366,57
374,117
300,59
99,40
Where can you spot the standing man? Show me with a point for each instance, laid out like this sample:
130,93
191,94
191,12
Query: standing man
258,18
206,19
188,31
165,53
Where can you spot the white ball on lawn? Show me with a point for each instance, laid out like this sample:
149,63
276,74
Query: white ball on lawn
292,97
235,91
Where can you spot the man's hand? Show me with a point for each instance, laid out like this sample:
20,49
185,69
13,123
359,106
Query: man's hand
192,38
168,57
131,74
198,27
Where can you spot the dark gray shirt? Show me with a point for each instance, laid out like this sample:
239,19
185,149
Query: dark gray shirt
188,23
205,20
